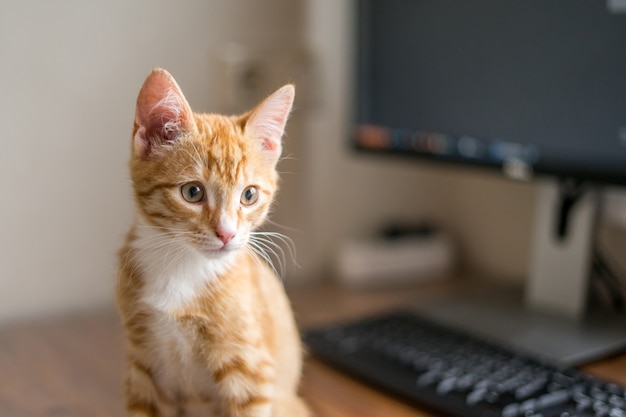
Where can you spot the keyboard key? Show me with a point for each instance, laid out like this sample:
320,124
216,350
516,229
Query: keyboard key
447,385
429,378
553,398
476,396
511,410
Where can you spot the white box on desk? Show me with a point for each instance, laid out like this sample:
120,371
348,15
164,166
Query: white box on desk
393,262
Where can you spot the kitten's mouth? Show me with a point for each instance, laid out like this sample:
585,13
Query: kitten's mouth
213,250
220,251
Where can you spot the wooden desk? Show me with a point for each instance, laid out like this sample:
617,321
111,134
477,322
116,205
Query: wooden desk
73,366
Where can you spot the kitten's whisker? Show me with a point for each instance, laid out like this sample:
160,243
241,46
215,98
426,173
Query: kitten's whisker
286,240
261,253
274,247
283,238
274,259
269,246
290,157
286,172
282,226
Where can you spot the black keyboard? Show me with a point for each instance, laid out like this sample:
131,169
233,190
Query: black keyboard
458,374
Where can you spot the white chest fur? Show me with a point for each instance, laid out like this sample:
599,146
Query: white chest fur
173,271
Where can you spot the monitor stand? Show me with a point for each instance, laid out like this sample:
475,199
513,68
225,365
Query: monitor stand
551,317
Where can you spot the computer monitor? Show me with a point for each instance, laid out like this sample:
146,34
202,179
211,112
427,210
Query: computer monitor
534,90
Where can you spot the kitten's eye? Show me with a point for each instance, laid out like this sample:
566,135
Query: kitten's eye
192,192
249,196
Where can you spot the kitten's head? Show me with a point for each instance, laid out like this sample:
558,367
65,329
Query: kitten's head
206,180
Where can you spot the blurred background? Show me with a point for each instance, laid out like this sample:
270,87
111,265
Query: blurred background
69,78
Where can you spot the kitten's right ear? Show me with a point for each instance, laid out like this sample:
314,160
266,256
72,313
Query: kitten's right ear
266,122
162,114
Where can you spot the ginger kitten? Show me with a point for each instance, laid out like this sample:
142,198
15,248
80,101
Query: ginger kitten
206,319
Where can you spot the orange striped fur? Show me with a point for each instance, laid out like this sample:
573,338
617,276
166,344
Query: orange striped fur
207,321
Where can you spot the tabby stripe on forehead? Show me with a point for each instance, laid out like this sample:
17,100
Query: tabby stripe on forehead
158,186
230,169
241,164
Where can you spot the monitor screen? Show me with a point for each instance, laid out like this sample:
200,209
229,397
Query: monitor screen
528,87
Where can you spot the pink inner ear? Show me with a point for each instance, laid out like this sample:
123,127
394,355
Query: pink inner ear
162,113
271,143
268,120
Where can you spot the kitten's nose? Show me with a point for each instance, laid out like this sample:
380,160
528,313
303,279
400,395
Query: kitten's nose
225,235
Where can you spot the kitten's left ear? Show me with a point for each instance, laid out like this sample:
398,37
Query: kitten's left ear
266,123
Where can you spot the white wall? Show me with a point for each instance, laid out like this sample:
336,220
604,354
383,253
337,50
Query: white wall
70,73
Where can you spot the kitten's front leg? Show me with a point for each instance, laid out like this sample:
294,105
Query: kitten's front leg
242,369
143,397
245,382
